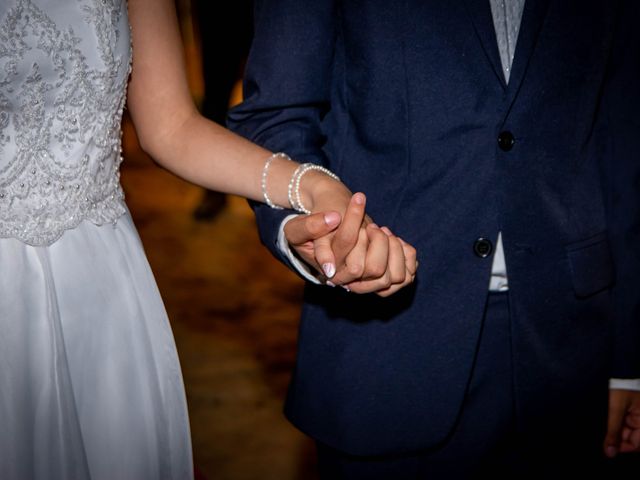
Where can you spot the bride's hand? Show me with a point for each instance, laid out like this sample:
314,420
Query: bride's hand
358,255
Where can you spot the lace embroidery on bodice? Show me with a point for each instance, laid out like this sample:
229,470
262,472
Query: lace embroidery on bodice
63,74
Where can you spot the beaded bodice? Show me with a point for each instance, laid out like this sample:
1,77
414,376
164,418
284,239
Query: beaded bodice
64,66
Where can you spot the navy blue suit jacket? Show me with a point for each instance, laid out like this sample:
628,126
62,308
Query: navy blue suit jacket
404,100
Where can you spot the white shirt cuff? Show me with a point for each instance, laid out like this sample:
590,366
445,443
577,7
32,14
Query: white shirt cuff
625,384
302,268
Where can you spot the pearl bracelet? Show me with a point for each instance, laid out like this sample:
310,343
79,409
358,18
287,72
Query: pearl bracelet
290,188
294,185
265,173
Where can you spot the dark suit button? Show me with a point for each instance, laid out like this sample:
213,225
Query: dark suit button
482,247
506,141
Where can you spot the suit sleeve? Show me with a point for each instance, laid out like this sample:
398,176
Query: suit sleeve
621,173
287,89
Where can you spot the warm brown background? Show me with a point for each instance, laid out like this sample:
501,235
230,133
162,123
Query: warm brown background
234,312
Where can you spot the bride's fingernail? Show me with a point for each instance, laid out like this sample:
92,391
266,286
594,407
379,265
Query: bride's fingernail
329,284
329,269
359,198
331,219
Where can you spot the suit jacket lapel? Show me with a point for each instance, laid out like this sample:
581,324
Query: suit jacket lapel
532,20
480,13
535,12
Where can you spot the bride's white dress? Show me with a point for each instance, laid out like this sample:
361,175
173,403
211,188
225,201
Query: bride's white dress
90,384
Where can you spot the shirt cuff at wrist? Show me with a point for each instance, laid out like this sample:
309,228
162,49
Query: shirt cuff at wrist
306,271
625,383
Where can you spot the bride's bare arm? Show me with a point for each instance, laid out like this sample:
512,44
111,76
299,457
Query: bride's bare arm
173,132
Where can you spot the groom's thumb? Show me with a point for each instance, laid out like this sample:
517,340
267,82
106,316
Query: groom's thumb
307,228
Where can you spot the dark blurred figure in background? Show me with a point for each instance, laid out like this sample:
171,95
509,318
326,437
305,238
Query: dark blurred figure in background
222,65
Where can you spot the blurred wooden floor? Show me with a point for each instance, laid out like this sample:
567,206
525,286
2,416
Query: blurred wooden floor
234,312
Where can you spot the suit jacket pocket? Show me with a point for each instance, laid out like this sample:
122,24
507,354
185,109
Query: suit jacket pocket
591,265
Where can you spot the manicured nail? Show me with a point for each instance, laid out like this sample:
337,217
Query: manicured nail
329,284
346,288
359,198
386,231
329,269
332,219
611,452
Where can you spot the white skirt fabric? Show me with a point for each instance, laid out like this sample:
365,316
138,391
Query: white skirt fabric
90,384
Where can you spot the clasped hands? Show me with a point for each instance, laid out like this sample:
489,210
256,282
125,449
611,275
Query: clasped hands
347,249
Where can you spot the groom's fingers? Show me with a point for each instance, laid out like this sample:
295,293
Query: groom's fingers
394,271
307,228
411,257
354,264
401,268
397,263
377,258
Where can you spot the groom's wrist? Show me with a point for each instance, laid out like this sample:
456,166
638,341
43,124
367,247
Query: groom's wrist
625,384
303,269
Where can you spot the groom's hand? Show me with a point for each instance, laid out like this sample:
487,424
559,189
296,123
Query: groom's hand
401,264
623,430
302,231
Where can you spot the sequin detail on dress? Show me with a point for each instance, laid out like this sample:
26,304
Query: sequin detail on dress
60,114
